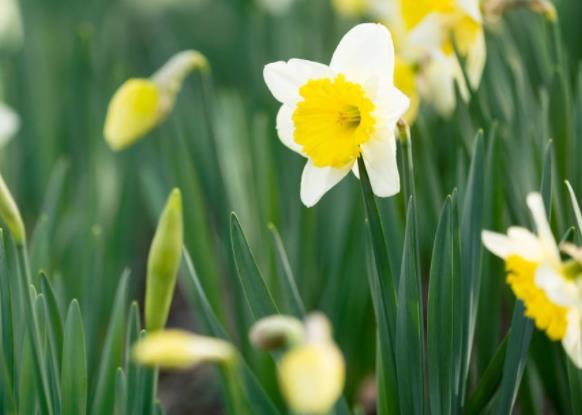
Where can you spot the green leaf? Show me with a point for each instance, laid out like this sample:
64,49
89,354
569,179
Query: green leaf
441,316
409,324
120,407
289,289
74,369
383,298
112,354
134,371
257,293
575,385
54,315
575,207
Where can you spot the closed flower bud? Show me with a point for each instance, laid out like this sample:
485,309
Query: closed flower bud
177,349
140,104
312,375
163,263
11,215
276,332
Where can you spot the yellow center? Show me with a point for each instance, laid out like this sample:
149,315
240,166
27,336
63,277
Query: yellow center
333,119
548,316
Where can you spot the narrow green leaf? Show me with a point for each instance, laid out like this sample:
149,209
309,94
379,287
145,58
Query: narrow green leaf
409,324
257,293
56,332
575,207
440,315
112,355
120,407
289,288
575,385
74,369
133,370
27,384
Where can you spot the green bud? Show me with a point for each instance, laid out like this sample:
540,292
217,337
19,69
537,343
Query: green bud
163,263
276,332
11,215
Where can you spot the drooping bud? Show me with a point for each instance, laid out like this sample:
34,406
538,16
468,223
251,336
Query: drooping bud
312,375
10,214
163,263
178,349
276,332
139,105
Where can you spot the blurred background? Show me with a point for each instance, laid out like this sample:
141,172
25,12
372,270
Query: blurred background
92,212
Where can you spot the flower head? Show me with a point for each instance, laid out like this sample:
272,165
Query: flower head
140,104
333,114
549,289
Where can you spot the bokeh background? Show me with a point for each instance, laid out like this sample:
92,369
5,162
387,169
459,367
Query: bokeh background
93,211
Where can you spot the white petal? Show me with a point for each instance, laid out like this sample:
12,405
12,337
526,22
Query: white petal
391,104
526,244
476,58
380,159
558,289
572,341
429,34
284,79
286,127
9,124
316,181
498,244
536,205
366,53
472,8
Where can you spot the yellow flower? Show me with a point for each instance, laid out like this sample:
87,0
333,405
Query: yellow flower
334,114
163,263
139,104
350,7
10,214
537,276
177,349
312,374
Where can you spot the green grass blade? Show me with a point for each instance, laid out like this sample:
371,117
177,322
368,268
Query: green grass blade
120,407
575,207
409,324
54,315
133,370
112,354
74,369
257,293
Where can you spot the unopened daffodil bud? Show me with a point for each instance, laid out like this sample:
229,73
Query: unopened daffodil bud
312,374
163,263
178,349
10,214
276,332
9,124
141,104
11,32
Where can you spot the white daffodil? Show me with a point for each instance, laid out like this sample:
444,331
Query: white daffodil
548,288
425,32
9,124
333,114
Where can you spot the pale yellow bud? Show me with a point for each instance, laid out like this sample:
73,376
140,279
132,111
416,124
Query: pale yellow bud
178,349
10,214
350,7
139,105
276,332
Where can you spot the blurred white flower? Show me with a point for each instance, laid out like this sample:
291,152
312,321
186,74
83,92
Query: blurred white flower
9,124
11,31
334,114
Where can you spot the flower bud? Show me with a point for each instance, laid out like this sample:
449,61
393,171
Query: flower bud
139,104
178,349
9,124
11,215
312,375
276,332
163,263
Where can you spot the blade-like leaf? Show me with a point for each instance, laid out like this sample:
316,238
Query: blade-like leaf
575,207
74,369
120,407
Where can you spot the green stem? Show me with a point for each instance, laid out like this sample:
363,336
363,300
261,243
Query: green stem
33,328
233,384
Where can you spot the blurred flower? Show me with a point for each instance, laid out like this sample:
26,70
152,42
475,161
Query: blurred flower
177,349
10,214
548,288
312,374
405,80
276,332
9,124
139,105
11,32
163,263
334,114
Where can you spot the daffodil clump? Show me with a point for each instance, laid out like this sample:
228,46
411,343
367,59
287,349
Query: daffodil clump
549,287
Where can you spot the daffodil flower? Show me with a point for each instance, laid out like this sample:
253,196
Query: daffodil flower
141,104
333,114
548,288
9,124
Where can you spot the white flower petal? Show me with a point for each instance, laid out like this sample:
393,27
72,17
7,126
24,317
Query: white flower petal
476,58
9,124
286,127
526,244
380,159
498,244
429,34
391,104
472,8
316,181
572,341
558,289
284,79
536,205
366,53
